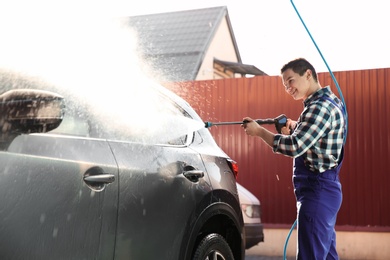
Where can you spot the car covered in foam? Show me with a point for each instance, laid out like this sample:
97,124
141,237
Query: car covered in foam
79,182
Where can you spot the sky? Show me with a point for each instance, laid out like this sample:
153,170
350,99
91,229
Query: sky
351,34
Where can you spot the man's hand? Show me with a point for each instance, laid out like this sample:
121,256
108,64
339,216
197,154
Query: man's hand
290,126
251,127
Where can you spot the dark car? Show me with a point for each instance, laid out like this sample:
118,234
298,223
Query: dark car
78,182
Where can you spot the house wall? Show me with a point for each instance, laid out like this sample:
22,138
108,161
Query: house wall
365,175
221,47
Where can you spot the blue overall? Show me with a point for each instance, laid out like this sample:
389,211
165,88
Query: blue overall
319,199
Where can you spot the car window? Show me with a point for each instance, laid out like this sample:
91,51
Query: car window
73,124
157,121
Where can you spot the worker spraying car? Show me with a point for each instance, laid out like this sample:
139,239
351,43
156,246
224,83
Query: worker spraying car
316,143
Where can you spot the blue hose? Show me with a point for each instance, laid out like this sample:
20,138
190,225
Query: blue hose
288,238
344,108
330,71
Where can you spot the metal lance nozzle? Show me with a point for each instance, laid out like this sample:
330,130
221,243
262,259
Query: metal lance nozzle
279,122
209,124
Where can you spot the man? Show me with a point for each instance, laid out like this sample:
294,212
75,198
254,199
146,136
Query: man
315,142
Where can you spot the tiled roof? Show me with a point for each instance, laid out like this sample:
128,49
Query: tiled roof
175,43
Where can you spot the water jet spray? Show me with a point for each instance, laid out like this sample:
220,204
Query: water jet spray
279,122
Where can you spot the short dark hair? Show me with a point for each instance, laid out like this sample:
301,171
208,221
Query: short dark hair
300,66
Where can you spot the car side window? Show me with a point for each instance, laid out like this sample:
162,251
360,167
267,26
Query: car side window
73,123
158,121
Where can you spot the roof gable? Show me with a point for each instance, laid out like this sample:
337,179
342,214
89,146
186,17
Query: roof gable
175,43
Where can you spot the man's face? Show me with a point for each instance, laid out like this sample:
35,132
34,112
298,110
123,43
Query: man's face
297,86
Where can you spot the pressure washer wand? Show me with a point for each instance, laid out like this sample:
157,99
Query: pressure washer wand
279,122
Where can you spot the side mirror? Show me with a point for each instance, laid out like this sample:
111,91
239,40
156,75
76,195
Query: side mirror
29,111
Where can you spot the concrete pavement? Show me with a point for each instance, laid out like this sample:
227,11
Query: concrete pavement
259,257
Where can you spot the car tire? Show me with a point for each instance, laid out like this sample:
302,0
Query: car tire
213,247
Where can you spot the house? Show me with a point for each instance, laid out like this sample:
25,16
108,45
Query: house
191,45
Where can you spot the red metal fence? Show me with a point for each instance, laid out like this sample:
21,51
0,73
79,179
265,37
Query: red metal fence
365,175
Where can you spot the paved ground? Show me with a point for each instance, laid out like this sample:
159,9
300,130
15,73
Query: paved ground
253,257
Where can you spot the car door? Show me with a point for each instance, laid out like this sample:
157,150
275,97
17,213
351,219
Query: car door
53,204
163,185
162,190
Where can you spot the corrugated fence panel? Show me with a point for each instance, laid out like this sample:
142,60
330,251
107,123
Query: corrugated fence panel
365,175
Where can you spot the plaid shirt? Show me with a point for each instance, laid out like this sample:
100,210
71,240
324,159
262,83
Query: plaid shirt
319,133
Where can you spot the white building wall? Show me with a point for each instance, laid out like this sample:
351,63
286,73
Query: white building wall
222,48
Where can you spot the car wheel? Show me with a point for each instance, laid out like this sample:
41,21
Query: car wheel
213,247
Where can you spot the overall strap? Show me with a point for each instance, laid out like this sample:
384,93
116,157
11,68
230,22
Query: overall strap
342,109
339,106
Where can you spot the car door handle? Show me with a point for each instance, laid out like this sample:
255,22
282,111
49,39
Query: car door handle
101,178
194,175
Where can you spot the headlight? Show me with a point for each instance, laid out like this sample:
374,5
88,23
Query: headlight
252,211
